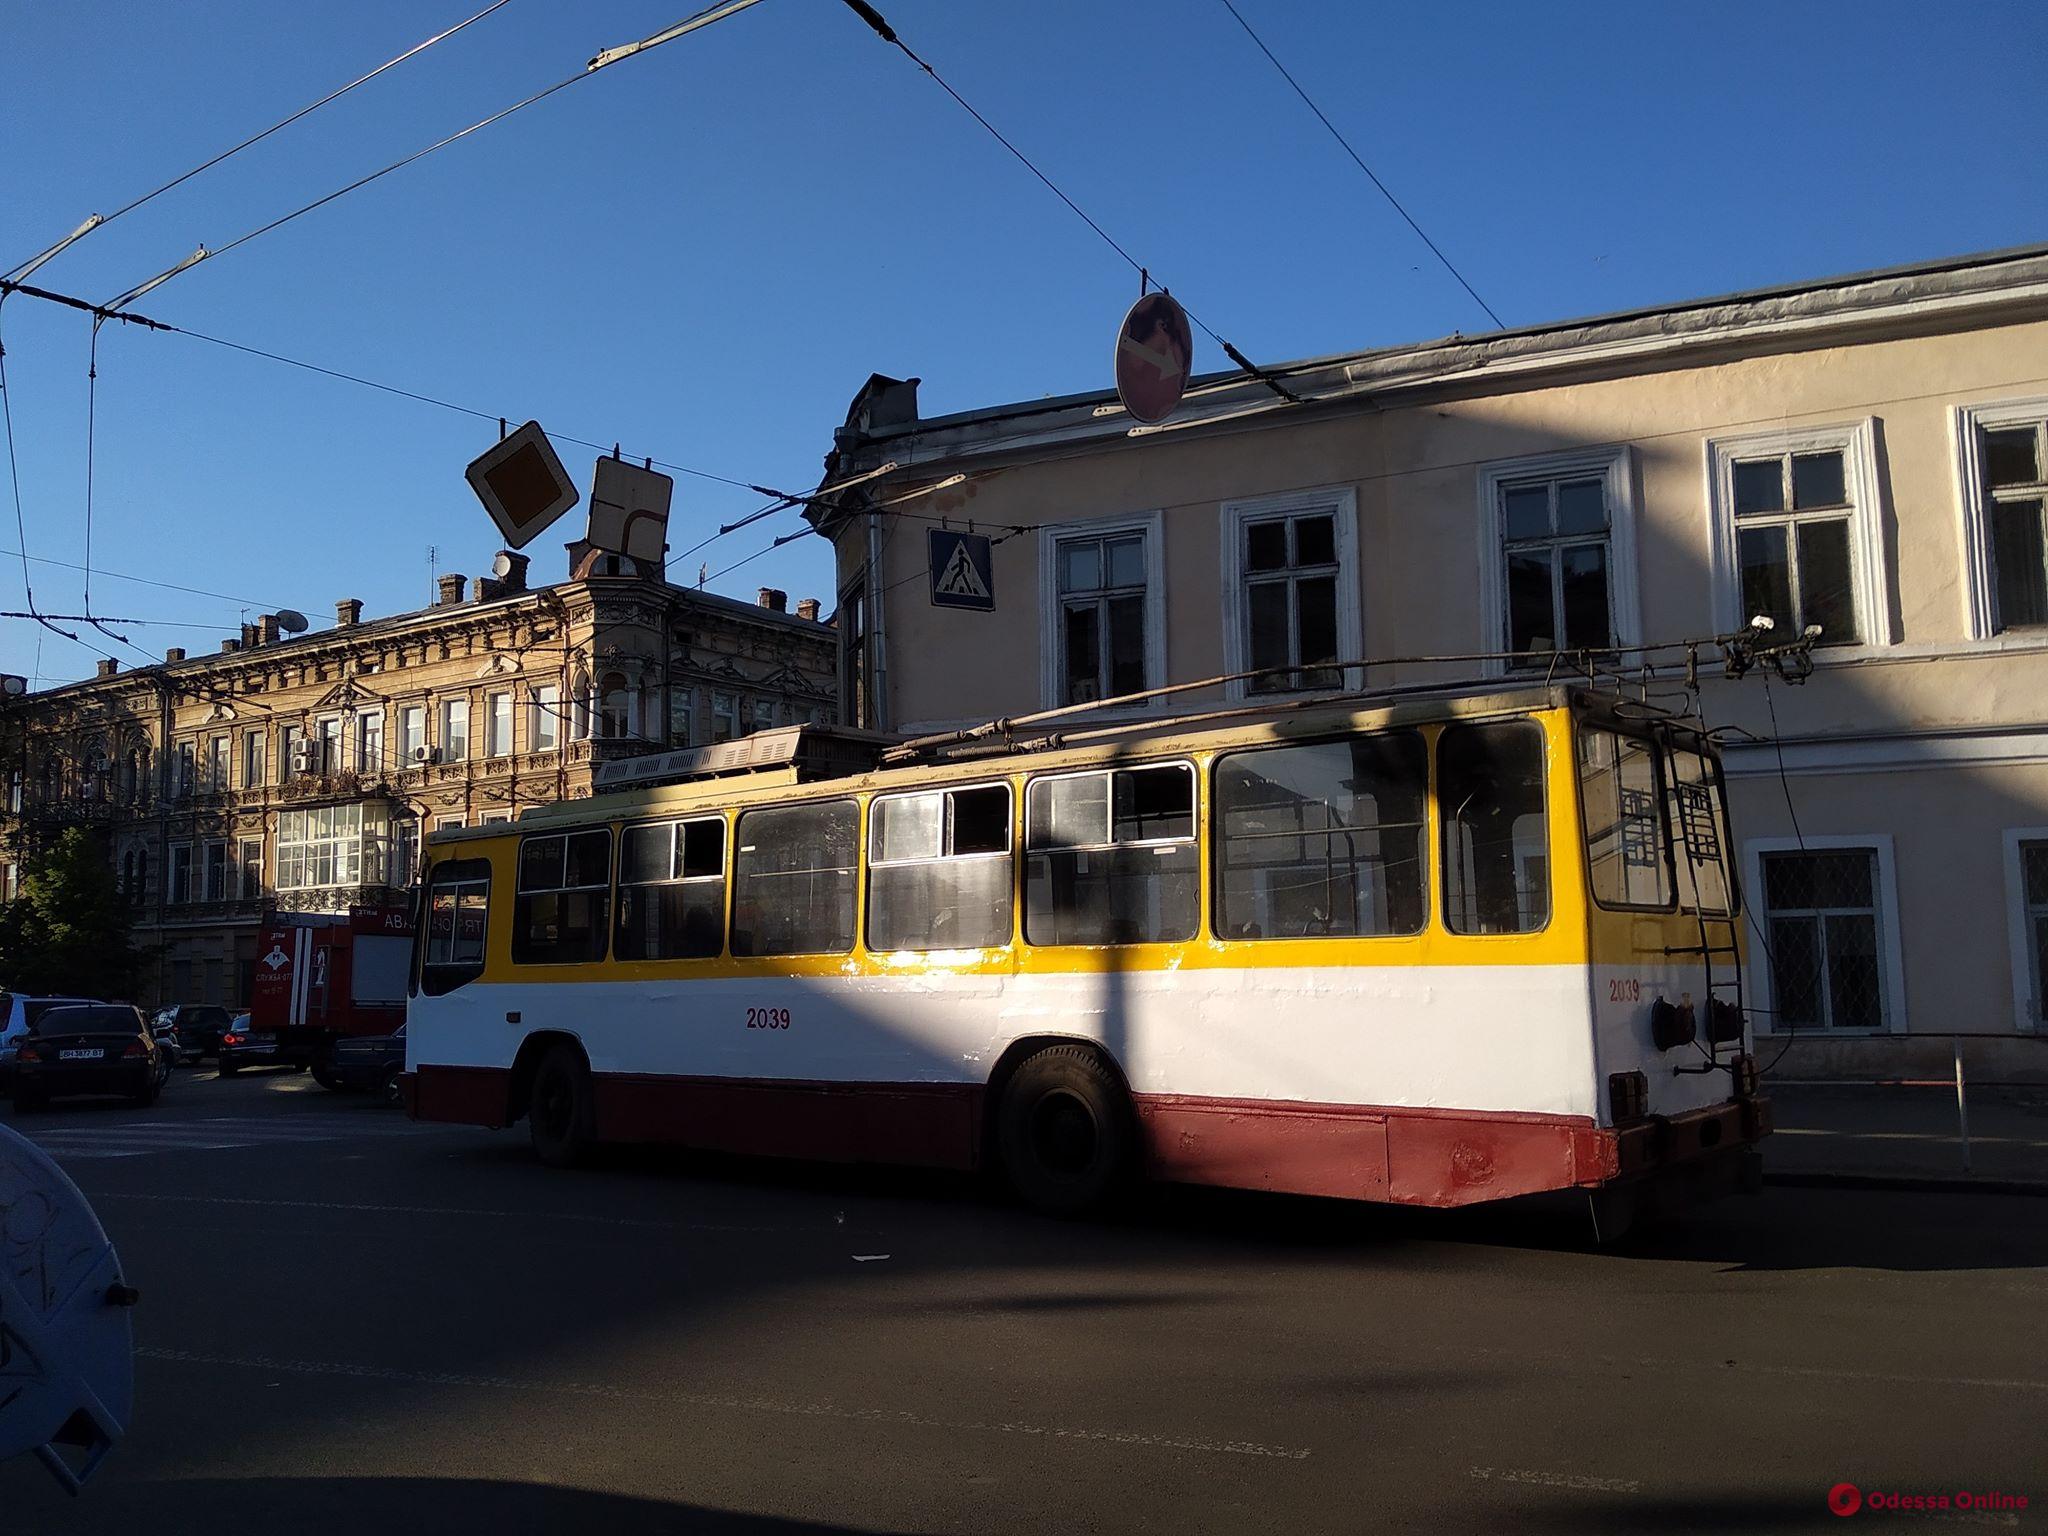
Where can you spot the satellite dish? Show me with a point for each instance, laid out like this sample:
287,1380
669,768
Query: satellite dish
13,684
291,621
67,1347
501,564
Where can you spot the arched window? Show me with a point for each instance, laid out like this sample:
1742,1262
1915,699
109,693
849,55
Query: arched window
579,709
615,709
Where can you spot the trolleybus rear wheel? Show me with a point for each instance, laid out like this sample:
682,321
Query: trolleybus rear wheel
1064,1131
560,1117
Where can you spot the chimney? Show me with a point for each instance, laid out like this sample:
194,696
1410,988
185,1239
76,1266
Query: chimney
774,600
450,588
250,634
109,667
515,573
266,629
483,589
807,608
348,612
174,653
230,644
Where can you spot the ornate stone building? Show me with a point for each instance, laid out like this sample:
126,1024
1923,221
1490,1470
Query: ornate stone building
298,773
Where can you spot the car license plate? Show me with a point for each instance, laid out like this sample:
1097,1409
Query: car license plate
80,1055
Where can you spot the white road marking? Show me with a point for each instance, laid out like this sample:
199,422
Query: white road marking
726,1404
1556,1479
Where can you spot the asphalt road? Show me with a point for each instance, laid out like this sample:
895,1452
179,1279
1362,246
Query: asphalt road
353,1324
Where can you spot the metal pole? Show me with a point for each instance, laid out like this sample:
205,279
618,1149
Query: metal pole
1962,1104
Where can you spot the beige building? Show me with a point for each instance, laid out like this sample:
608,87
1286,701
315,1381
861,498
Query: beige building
297,773
1867,454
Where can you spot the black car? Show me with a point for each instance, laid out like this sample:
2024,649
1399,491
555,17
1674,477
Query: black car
90,1048
371,1062
199,1027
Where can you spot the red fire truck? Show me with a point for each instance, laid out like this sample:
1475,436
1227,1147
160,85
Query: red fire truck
321,976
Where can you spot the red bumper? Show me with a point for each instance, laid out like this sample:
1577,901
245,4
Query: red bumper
1669,1141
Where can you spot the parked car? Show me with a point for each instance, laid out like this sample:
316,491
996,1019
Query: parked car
240,1046
199,1027
371,1062
89,1048
18,1014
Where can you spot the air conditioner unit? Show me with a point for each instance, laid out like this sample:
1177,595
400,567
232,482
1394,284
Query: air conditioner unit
305,756
426,752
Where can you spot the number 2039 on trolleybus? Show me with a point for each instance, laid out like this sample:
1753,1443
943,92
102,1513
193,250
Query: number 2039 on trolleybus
1432,947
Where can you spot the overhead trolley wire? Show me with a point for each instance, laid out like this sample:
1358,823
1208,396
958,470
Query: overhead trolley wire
881,28
98,220
688,24
1359,160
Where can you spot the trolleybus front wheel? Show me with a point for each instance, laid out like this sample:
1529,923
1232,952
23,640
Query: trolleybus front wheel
1064,1131
560,1117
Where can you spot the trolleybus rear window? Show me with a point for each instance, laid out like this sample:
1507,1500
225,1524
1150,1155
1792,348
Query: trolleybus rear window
1110,858
671,891
795,879
562,911
1323,840
458,903
1698,829
939,869
1489,790
1628,845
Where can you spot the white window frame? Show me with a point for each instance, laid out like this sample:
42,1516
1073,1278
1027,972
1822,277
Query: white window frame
255,758
171,892
498,723
1893,1003
448,823
1979,589
1153,526
242,847
412,731
338,843
207,851
365,743
1342,502
544,708
1615,464
2018,937
1869,556
444,721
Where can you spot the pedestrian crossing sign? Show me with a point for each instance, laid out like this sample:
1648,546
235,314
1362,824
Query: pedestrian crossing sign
962,570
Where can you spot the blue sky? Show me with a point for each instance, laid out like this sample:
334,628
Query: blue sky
702,252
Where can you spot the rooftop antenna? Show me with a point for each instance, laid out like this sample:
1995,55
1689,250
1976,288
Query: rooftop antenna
433,571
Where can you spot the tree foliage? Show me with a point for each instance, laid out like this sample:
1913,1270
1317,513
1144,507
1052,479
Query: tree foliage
68,932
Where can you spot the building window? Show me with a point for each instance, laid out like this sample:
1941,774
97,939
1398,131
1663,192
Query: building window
939,870
444,823
2002,464
320,847
1489,782
2026,889
1557,573
1104,619
404,862
215,868
251,861
1798,535
545,731
682,716
1822,910
725,716
180,892
454,730
412,732
254,767
856,697
672,891
497,724
291,760
369,744
614,707
764,716
329,758
562,908
184,770
795,874
1290,583
216,764
10,880
1110,858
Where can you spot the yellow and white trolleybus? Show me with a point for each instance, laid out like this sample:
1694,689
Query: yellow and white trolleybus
1430,948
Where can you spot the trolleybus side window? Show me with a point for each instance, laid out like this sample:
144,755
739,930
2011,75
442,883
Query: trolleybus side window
1628,845
671,891
795,879
458,904
1323,839
562,911
939,869
1110,857
1489,790
1699,831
